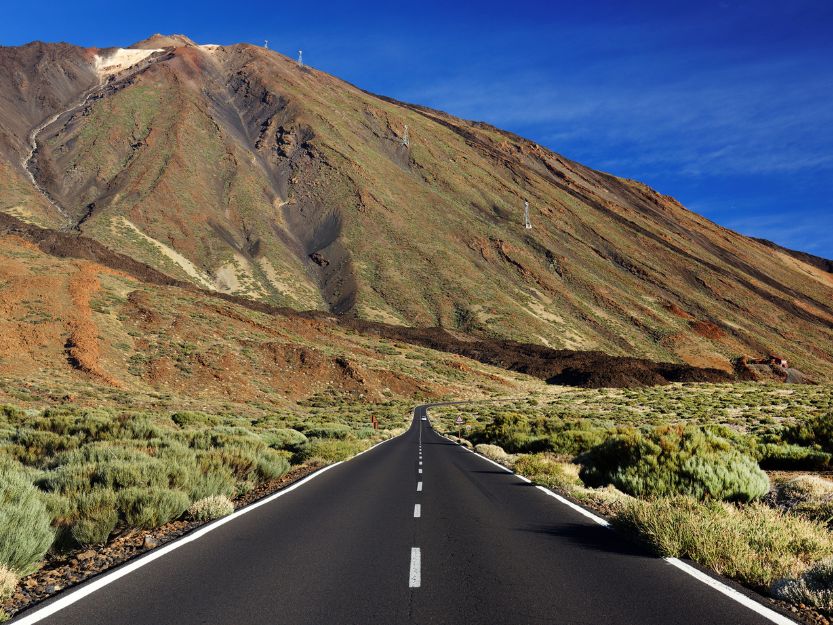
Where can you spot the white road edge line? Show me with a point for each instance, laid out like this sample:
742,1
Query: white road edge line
419,487
415,577
85,589
417,510
767,613
739,597
575,507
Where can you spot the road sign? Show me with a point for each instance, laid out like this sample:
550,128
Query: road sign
459,421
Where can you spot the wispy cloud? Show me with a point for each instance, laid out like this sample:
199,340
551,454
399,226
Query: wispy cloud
737,120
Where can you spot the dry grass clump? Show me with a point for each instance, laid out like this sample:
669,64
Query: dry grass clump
8,582
805,488
496,453
754,543
210,508
814,587
546,470
810,496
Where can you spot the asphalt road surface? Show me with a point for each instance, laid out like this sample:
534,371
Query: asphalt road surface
416,530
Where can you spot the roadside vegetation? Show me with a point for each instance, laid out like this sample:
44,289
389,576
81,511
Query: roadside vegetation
730,476
73,478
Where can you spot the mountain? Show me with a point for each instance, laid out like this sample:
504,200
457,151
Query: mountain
819,262
236,169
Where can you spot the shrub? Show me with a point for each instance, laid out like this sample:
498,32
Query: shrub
814,587
571,442
333,450
785,457
327,430
211,480
104,465
816,431
493,452
96,517
25,531
189,419
210,508
242,463
286,438
754,544
271,465
32,445
674,460
149,508
509,430
8,582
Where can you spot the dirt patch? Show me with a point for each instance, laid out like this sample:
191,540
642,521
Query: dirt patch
679,312
82,346
708,330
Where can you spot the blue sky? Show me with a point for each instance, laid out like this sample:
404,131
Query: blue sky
725,104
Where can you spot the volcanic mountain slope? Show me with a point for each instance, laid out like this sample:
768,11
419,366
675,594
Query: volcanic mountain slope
238,170
75,330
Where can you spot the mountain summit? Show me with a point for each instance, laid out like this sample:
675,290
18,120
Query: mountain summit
237,169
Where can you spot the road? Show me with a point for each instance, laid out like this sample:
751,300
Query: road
409,532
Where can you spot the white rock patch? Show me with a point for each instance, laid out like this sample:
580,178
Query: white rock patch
120,59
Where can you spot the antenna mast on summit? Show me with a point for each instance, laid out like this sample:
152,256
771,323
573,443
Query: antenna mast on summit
527,224
405,140
300,58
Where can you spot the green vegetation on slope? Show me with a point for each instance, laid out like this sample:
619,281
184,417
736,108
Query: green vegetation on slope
73,477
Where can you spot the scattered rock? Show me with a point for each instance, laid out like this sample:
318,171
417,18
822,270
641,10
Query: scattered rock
150,542
319,259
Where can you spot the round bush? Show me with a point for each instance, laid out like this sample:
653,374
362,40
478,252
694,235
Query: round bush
494,452
96,518
271,465
210,508
286,438
149,508
25,523
674,461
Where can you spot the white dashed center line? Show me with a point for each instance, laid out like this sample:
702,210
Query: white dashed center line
417,511
420,470
419,487
415,578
